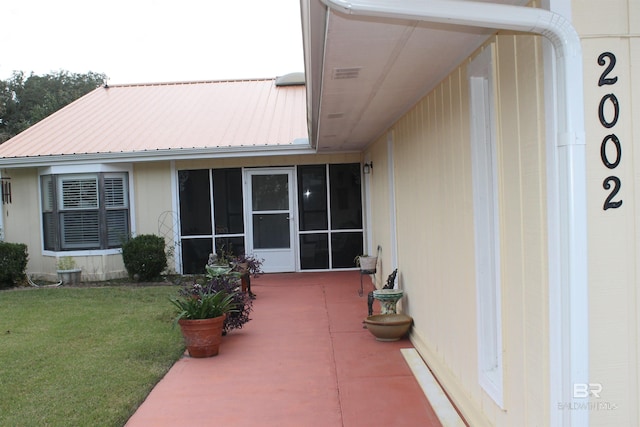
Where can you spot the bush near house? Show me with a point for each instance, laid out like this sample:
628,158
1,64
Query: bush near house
144,257
13,263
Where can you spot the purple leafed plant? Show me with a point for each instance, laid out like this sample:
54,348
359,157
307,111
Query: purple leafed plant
229,283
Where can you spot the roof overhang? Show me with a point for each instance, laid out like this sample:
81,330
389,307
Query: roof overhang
365,72
299,147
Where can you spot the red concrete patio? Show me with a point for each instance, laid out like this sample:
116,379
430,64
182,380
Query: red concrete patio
303,360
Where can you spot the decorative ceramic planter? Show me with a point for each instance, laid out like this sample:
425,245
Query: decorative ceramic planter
220,270
388,299
388,327
202,336
70,277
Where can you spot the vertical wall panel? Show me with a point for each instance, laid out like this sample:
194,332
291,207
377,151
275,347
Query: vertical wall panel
613,252
435,234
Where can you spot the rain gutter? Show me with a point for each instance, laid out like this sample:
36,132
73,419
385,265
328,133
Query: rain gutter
299,147
568,238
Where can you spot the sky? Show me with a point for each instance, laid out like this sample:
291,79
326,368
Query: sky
151,41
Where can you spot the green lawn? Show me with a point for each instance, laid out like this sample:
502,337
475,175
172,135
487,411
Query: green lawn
83,356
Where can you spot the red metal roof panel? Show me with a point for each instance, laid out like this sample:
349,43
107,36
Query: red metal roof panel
135,118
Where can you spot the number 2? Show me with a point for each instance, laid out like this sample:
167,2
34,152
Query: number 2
604,80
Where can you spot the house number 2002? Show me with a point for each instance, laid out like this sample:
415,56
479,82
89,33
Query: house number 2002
610,148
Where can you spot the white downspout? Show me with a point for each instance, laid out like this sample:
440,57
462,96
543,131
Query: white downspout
571,163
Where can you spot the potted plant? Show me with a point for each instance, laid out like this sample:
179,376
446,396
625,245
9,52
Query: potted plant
244,265
68,273
201,314
366,263
247,266
248,263
225,280
388,325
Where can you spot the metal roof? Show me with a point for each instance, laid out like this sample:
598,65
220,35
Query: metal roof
167,120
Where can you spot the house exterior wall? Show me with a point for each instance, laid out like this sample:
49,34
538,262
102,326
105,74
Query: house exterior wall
381,206
267,161
21,220
23,224
435,234
614,300
153,209
432,164
152,203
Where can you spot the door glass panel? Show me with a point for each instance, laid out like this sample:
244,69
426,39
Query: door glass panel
227,201
344,248
346,197
230,245
312,197
314,251
269,192
271,231
195,254
195,202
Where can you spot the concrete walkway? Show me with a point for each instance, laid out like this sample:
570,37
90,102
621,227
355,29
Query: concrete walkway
303,360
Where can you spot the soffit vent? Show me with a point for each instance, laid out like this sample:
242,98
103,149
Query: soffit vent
346,73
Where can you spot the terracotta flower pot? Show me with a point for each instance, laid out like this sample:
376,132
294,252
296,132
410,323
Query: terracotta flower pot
202,336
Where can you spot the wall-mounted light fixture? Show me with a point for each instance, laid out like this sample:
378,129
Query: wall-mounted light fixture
367,168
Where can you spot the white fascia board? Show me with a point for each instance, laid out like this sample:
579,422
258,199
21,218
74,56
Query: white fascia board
157,155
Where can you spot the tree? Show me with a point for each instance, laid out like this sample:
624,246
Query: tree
24,101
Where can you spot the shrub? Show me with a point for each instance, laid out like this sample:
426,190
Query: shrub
13,263
144,257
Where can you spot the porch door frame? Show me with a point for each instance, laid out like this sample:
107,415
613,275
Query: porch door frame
287,261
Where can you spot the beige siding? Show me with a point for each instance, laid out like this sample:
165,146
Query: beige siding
434,204
614,258
260,161
381,210
22,222
153,196
523,209
154,213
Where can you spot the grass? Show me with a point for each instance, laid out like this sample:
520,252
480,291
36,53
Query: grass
83,356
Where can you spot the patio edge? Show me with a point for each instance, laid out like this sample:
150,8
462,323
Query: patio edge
439,401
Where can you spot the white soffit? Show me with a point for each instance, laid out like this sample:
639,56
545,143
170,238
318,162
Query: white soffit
385,66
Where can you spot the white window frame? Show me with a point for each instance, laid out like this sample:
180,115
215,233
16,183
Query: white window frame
484,162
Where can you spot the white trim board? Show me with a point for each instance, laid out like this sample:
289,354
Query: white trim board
437,398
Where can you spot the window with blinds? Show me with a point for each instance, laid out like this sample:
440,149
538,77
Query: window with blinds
87,211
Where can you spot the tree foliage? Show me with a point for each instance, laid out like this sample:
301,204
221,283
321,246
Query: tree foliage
25,100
